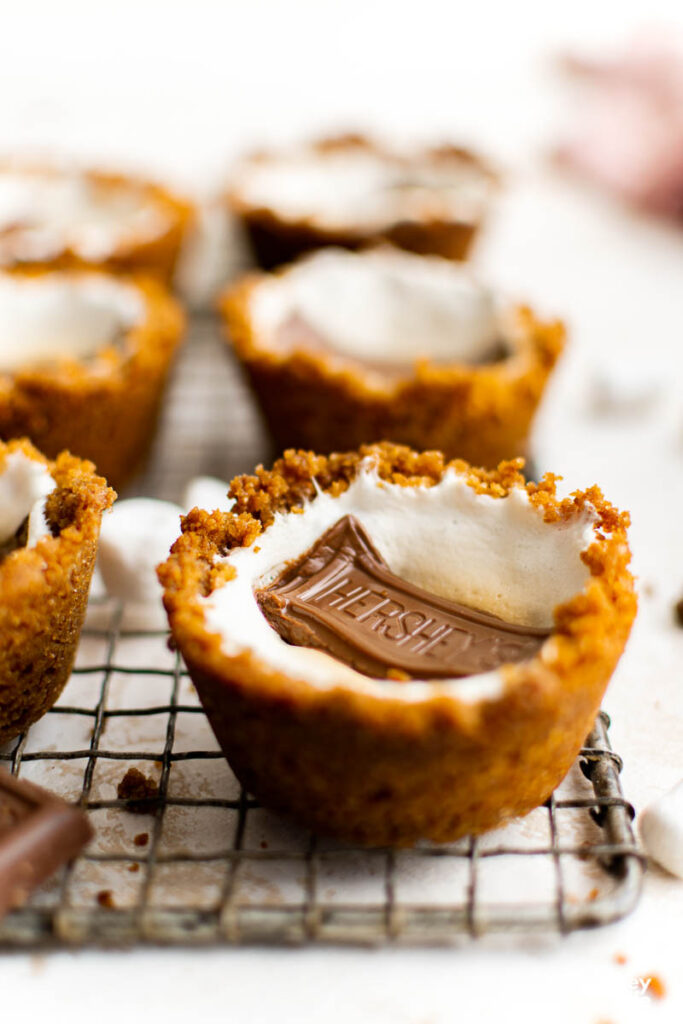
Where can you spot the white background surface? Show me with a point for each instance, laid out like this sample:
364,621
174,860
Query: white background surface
177,88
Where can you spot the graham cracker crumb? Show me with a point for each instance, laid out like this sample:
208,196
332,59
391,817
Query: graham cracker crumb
140,792
105,898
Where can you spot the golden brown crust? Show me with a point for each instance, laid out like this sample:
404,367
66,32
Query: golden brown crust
156,256
276,239
319,400
44,592
437,768
105,410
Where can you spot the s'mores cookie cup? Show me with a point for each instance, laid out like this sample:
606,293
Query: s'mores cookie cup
71,218
344,349
50,516
390,647
351,192
84,358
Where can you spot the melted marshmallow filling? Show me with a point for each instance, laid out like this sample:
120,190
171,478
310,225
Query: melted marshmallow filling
496,555
385,307
344,188
61,315
42,214
24,486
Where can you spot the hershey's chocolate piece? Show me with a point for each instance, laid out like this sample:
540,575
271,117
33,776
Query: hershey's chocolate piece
341,597
38,833
298,333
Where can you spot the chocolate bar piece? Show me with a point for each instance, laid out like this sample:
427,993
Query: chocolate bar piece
38,833
342,598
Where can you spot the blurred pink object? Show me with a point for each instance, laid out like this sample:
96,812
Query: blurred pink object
630,135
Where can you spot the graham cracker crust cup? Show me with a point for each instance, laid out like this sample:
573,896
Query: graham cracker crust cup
95,394
69,218
378,761
432,200
317,396
44,586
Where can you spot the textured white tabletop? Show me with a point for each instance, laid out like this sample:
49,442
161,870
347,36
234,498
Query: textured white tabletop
177,89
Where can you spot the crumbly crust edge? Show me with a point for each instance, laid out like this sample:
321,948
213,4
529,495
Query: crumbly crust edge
590,629
73,510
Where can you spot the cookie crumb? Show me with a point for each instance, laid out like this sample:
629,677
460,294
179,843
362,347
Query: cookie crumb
656,989
140,792
398,675
37,964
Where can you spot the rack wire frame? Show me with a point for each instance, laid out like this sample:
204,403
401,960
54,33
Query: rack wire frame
312,919
210,427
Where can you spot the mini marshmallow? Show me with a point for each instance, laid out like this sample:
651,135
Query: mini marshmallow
24,485
212,253
98,591
624,388
135,538
661,829
207,492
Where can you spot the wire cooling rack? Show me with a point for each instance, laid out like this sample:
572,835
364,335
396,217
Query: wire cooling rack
198,861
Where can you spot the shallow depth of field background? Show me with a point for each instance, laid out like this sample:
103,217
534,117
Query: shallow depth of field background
177,90
177,87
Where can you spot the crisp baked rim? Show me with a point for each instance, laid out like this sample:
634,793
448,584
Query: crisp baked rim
591,622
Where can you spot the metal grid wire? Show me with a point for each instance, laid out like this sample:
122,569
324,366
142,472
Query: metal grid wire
202,863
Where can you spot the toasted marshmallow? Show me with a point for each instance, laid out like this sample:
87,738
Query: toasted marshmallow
24,486
45,212
497,555
67,315
363,187
385,306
